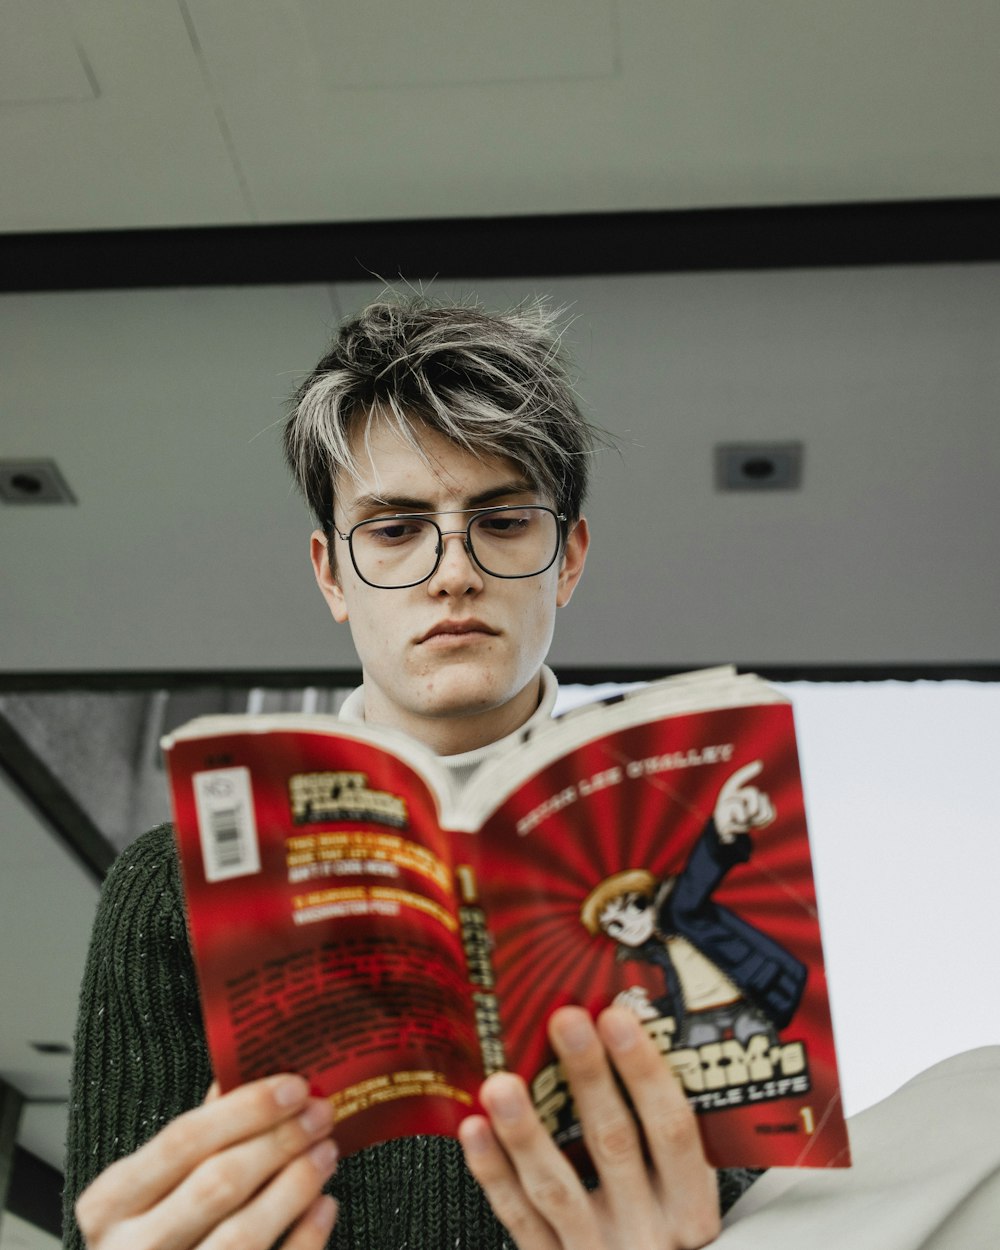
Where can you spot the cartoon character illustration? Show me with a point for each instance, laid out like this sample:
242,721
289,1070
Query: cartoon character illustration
723,977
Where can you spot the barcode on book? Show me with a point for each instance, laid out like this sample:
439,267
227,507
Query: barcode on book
226,823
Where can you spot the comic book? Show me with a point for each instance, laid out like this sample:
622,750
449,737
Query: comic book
356,918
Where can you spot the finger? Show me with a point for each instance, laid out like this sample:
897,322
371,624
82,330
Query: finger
485,1159
609,1128
290,1195
214,1092
765,812
314,1228
545,1175
135,1183
739,779
227,1181
684,1178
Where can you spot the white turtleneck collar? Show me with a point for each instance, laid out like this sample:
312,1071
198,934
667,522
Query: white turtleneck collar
463,765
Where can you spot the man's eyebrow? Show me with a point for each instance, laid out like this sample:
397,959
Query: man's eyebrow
409,503
517,486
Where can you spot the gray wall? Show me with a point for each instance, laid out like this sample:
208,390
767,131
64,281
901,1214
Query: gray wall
188,548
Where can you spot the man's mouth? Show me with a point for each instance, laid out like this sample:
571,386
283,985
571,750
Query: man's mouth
456,630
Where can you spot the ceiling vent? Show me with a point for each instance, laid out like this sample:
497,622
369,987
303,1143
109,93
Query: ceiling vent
758,466
33,481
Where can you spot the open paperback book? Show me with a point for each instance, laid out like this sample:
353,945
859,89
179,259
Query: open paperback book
356,918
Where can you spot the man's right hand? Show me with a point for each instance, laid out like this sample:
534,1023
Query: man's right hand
237,1171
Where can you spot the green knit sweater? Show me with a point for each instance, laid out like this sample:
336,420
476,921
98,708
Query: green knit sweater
140,1060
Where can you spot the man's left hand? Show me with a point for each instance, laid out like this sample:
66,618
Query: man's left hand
668,1203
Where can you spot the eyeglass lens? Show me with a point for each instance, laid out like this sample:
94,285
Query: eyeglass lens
403,551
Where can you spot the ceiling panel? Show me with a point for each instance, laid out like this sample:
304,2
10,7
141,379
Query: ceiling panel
40,55
442,42
146,150
234,111
724,103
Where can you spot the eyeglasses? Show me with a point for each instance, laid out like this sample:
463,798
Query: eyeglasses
394,552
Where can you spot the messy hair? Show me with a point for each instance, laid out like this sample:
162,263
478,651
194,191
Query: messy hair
495,384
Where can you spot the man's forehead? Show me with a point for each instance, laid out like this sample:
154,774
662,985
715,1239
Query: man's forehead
392,472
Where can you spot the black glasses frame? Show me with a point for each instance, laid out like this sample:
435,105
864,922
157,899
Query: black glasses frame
474,514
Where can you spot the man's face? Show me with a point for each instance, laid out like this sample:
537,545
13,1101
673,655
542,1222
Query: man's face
628,919
455,660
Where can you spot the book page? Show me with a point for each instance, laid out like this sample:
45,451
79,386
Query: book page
685,692
323,919
666,866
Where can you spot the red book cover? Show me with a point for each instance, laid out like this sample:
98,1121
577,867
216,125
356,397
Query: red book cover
356,920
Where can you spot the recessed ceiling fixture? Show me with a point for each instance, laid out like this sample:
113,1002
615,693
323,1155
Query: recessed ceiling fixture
758,466
33,481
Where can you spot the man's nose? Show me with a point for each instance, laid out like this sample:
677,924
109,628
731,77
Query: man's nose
457,572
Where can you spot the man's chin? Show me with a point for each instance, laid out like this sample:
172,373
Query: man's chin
464,690
461,703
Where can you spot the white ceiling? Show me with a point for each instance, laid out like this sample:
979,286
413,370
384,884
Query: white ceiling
187,547
179,112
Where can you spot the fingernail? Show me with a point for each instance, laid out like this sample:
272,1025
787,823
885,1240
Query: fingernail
317,1115
474,1135
622,1029
506,1099
324,1156
288,1090
575,1032
324,1213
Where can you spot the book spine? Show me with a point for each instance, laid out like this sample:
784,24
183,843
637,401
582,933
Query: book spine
477,946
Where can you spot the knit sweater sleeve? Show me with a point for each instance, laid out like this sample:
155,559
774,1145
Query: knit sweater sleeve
139,1056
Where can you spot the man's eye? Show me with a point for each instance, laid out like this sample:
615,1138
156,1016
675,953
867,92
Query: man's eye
393,533
505,524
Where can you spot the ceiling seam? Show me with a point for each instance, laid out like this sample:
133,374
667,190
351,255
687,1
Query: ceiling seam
220,117
88,69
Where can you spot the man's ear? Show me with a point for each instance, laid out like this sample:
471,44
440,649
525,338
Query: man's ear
573,559
326,578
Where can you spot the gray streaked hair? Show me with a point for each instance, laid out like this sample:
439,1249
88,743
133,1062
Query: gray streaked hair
495,384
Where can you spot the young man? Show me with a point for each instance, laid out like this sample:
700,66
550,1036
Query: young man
446,462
